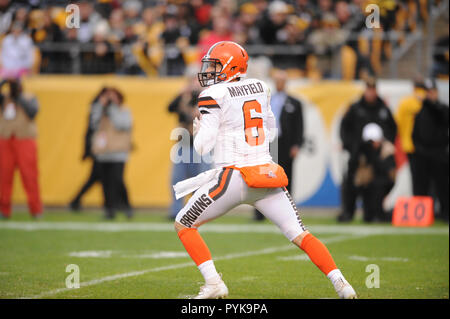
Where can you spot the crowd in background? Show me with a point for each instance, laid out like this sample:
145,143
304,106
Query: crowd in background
163,37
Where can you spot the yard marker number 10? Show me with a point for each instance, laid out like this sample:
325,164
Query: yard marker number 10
415,211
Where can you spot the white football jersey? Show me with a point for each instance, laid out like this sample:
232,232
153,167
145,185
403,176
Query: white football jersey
237,123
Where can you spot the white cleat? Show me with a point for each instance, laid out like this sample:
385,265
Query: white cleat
213,291
344,289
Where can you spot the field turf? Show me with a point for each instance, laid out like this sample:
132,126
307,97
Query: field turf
144,258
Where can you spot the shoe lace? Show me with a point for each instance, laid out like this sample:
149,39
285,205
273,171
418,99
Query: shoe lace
203,290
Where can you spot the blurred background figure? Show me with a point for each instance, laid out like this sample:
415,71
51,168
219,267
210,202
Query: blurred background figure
17,55
171,37
89,18
289,116
310,39
18,146
112,122
404,117
185,106
374,176
440,67
369,109
431,142
314,39
95,175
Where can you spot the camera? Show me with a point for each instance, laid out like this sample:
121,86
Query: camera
14,87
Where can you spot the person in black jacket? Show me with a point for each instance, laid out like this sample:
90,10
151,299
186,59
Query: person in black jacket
96,170
431,141
94,177
374,172
289,116
369,109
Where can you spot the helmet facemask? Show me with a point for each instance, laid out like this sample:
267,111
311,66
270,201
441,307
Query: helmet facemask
210,72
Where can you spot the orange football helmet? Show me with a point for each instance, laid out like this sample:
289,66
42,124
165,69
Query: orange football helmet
224,62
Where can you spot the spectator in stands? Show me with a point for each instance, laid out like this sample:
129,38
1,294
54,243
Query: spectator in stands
289,116
111,121
441,57
88,21
202,11
291,34
272,24
18,146
354,63
405,115
21,15
326,39
173,56
431,142
129,63
324,25
305,10
189,27
6,16
102,58
246,24
185,106
17,55
369,109
262,6
221,31
117,25
132,10
45,30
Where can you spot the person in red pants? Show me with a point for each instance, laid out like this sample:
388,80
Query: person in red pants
18,147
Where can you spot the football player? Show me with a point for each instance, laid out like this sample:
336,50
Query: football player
235,121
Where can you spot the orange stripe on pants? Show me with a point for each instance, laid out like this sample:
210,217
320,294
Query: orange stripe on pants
221,185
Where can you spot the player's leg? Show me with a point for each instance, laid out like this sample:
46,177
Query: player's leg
208,202
279,207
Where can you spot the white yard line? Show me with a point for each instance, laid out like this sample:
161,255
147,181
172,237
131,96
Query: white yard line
365,259
221,228
265,251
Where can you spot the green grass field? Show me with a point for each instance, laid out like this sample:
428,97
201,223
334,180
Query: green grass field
144,258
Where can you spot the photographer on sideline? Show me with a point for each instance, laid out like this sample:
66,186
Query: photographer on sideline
18,146
111,144
95,175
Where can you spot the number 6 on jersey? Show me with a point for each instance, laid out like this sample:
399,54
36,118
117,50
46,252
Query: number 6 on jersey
253,123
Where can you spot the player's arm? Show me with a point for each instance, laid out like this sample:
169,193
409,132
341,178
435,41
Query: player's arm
271,120
271,125
208,125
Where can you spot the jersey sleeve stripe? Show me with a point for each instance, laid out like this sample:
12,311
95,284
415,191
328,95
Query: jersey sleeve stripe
208,102
211,106
205,98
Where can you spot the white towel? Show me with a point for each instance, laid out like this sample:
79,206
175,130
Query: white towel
190,185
